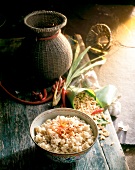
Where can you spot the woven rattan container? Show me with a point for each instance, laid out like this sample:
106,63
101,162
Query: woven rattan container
51,53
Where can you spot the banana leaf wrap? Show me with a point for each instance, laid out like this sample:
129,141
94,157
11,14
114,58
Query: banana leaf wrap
107,95
104,96
72,91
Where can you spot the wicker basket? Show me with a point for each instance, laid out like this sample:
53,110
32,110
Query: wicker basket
50,50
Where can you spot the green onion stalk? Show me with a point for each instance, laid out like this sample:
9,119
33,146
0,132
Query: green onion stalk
75,72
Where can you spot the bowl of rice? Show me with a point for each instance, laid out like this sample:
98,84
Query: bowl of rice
64,134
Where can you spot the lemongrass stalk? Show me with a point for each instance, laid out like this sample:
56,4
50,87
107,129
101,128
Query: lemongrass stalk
71,70
80,71
90,62
79,58
84,70
74,65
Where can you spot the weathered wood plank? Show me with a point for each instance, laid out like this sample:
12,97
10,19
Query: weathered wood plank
112,149
17,148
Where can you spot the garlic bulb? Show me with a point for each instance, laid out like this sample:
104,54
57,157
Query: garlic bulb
115,109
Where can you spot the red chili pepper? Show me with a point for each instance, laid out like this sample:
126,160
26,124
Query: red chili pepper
40,96
53,88
97,111
45,94
63,95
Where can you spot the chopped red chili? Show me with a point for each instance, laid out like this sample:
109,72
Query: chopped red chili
97,111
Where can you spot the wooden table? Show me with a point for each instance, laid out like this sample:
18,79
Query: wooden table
18,151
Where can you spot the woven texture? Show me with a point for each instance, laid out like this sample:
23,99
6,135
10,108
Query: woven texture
51,51
99,36
45,23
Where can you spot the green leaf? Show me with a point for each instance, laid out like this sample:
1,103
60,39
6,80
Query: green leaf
73,63
72,91
106,95
79,58
75,72
91,93
102,121
81,70
76,62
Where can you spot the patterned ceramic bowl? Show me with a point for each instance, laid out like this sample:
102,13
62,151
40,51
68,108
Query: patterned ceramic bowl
53,113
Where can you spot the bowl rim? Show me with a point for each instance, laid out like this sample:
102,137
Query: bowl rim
67,109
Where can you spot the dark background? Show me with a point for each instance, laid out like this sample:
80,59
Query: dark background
13,12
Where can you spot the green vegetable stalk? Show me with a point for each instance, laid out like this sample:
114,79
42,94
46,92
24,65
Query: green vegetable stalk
75,72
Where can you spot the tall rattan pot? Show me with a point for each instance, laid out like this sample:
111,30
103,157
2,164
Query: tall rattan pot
50,50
